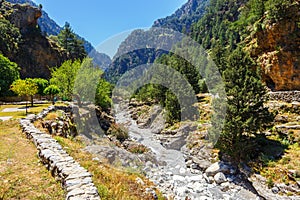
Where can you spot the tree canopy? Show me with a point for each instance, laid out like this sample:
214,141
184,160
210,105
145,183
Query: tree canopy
24,88
246,114
52,90
71,43
9,72
64,77
10,37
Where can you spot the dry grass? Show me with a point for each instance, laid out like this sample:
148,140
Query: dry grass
112,183
21,114
277,171
22,176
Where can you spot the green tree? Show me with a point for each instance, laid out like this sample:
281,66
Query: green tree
9,72
52,90
71,43
42,84
246,114
64,77
10,37
86,80
103,94
24,88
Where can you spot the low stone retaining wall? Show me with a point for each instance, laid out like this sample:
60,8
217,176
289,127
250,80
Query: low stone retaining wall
75,179
287,96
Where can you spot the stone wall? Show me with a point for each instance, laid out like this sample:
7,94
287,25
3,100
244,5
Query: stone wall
287,96
76,180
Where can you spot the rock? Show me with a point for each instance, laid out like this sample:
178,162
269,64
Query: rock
74,178
189,163
294,173
41,52
203,164
182,170
281,118
220,178
279,67
218,167
178,178
139,181
275,190
225,186
194,166
198,187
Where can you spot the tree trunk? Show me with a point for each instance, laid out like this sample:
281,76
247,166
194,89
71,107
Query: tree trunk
31,100
52,97
26,108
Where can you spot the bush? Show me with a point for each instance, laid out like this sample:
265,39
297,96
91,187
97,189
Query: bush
119,131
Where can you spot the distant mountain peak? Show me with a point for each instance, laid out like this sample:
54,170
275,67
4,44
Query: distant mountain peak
184,17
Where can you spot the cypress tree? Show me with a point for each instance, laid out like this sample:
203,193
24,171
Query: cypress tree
246,114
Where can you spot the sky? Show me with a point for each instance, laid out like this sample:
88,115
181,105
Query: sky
99,20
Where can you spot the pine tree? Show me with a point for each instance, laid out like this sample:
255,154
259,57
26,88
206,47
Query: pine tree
70,42
246,114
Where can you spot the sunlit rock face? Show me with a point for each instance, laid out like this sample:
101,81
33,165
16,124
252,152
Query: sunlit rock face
37,53
277,49
24,16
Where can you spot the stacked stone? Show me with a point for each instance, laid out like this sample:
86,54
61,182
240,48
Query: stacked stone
287,96
76,180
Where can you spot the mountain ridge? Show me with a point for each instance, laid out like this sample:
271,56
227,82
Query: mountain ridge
49,27
180,21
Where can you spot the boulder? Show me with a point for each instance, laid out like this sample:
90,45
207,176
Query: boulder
220,178
218,167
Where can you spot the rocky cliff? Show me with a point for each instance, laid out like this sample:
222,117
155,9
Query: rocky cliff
184,17
49,27
36,53
277,49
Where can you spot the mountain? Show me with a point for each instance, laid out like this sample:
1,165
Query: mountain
49,27
46,24
23,43
268,30
180,21
184,17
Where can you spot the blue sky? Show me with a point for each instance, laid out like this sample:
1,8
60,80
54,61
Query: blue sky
97,20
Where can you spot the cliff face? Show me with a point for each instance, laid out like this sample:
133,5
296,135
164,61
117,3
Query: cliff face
36,53
277,49
184,17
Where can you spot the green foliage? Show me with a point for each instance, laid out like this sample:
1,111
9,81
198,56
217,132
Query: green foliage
215,26
246,114
9,72
172,107
42,85
277,9
24,87
165,96
103,93
89,86
64,77
71,43
119,131
52,90
10,38
151,92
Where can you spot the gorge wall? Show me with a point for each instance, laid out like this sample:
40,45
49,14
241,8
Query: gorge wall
277,49
35,54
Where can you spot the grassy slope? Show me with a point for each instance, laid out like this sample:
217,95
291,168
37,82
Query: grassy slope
22,176
112,183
